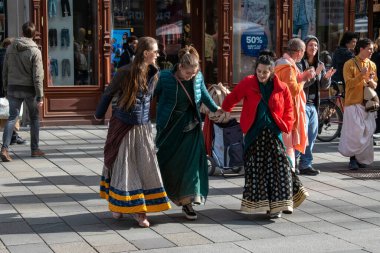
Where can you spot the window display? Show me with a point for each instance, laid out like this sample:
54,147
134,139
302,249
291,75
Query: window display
127,21
71,42
254,31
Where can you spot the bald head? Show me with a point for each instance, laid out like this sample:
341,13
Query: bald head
296,49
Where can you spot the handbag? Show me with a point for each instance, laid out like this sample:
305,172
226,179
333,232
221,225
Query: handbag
4,108
370,98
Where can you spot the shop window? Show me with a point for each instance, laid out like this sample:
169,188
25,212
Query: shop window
127,21
3,26
329,28
254,29
303,18
376,19
361,18
173,30
211,42
71,40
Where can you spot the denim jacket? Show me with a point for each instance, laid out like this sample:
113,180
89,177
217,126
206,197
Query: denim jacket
139,113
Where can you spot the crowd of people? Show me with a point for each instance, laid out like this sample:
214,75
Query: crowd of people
279,120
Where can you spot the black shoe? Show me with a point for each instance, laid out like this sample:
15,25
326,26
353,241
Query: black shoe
361,165
189,212
17,140
353,165
309,171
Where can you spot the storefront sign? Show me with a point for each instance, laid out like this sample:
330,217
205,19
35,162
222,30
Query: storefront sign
253,41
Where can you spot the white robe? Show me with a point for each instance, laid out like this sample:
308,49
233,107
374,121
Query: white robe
357,134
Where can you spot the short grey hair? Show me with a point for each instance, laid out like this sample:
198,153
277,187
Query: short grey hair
295,45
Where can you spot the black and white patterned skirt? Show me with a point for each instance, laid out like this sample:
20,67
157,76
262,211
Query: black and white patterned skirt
270,183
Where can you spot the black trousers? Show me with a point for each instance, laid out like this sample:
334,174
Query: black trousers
53,41
65,6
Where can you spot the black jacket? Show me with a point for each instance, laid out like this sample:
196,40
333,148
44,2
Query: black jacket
341,55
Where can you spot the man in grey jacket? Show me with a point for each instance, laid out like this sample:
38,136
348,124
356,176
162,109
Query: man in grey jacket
23,76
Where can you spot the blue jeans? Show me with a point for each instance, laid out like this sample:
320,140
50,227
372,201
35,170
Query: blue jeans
14,111
52,6
54,67
312,132
304,30
65,37
65,67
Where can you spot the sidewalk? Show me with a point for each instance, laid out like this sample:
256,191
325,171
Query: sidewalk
51,204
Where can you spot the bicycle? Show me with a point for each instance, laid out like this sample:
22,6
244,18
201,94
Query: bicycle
330,115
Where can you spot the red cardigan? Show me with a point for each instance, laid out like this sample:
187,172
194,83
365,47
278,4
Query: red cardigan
280,103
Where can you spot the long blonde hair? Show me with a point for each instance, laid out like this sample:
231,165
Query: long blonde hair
136,78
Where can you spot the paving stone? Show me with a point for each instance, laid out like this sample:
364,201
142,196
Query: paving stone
288,228
19,239
321,226
30,248
56,233
15,228
73,247
356,225
257,232
152,243
292,244
186,239
169,228
209,248
368,239
126,247
105,239
223,235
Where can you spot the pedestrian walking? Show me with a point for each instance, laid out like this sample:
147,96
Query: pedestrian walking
288,72
23,76
322,80
129,51
15,137
181,149
270,184
131,181
356,140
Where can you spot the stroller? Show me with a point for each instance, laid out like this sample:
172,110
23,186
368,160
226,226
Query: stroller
227,148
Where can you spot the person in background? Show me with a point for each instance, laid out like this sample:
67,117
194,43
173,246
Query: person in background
131,180
15,137
311,88
376,59
23,84
343,53
288,72
270,184
129,50
356,140
181,149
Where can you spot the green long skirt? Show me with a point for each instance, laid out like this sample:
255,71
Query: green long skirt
182,160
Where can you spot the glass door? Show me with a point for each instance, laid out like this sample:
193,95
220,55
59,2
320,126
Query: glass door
173,29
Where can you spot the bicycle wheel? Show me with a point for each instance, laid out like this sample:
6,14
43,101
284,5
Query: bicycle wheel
330,119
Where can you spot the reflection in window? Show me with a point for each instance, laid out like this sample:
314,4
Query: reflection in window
330,20
71,42
254,30
361,18
127,21
303,18
211,42
173,30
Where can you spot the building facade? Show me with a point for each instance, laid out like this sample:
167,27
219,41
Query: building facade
82,40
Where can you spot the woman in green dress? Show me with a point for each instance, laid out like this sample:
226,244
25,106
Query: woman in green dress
181,150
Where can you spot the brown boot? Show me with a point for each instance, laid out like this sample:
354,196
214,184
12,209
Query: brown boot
5,157
37,153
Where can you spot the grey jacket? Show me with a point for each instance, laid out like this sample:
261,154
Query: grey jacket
23,71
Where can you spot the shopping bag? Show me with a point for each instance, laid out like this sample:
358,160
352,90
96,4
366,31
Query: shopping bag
4,108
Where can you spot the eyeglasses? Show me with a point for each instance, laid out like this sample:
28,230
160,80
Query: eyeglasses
155,52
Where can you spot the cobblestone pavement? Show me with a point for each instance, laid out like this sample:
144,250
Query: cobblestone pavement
51,204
